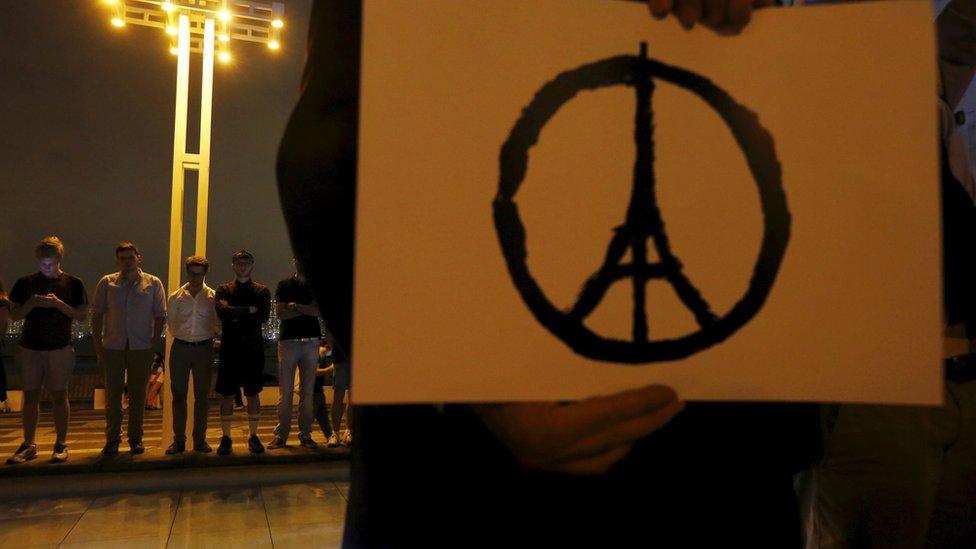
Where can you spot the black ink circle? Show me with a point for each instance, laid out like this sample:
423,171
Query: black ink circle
755,142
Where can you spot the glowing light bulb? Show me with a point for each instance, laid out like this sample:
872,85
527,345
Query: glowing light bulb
224,15
274,44
118,22
223,38
224,57
174,50
171,31
277,23
167,6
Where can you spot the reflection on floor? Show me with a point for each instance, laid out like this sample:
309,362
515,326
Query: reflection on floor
290,515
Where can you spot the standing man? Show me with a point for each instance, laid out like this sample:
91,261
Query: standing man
242,306
298,345
128,313
192,323
48,301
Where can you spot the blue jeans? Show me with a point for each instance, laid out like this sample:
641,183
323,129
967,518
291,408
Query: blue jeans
304,356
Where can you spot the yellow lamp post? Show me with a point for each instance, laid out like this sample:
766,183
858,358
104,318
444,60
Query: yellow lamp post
207,27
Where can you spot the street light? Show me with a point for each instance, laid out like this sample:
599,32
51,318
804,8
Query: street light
197,26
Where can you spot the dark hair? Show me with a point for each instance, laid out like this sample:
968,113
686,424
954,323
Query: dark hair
198,260
50,246
126,245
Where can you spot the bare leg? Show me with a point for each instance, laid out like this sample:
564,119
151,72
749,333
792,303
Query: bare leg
30,413
62,412
227,405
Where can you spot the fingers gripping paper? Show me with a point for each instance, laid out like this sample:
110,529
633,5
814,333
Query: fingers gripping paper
566,198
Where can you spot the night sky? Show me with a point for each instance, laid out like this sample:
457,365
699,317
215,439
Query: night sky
87,113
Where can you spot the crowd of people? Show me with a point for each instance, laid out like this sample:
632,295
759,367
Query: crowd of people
130,311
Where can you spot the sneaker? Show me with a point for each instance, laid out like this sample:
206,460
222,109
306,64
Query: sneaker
202,447
176,448
26,452
4,407
225,446
111,448
307,442
346,438
254,445
60,454
136,447
333,440
277,442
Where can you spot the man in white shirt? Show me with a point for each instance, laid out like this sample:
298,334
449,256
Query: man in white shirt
192,324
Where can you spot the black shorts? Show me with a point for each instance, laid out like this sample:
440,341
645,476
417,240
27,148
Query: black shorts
240,367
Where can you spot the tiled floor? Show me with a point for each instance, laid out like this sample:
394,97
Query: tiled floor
292,515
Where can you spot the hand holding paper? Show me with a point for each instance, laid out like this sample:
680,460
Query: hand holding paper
585,437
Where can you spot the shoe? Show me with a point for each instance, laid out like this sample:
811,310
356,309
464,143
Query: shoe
60,454
224,447
176,448
136,447
202,447
346,438
26,452
111,448
254,445
307,442
333,440
4,407
277,442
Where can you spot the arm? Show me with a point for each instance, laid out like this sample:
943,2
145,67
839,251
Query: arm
4,318
74,313
292,310
99,305
311,309
264,306
22,301
96,324
19,311
158,324
226,311
285,310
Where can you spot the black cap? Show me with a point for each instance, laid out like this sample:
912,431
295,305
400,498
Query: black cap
242,254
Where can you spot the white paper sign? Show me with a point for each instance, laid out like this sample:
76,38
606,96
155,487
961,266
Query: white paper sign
563,198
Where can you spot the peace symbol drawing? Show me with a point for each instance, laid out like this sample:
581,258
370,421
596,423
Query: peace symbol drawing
643,223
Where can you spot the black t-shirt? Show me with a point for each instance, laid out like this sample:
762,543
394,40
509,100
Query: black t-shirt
292,290
47,328
239,324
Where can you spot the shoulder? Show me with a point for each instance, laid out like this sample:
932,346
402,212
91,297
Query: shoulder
21,289
110,278
152,279
223,288
74,281
25,280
